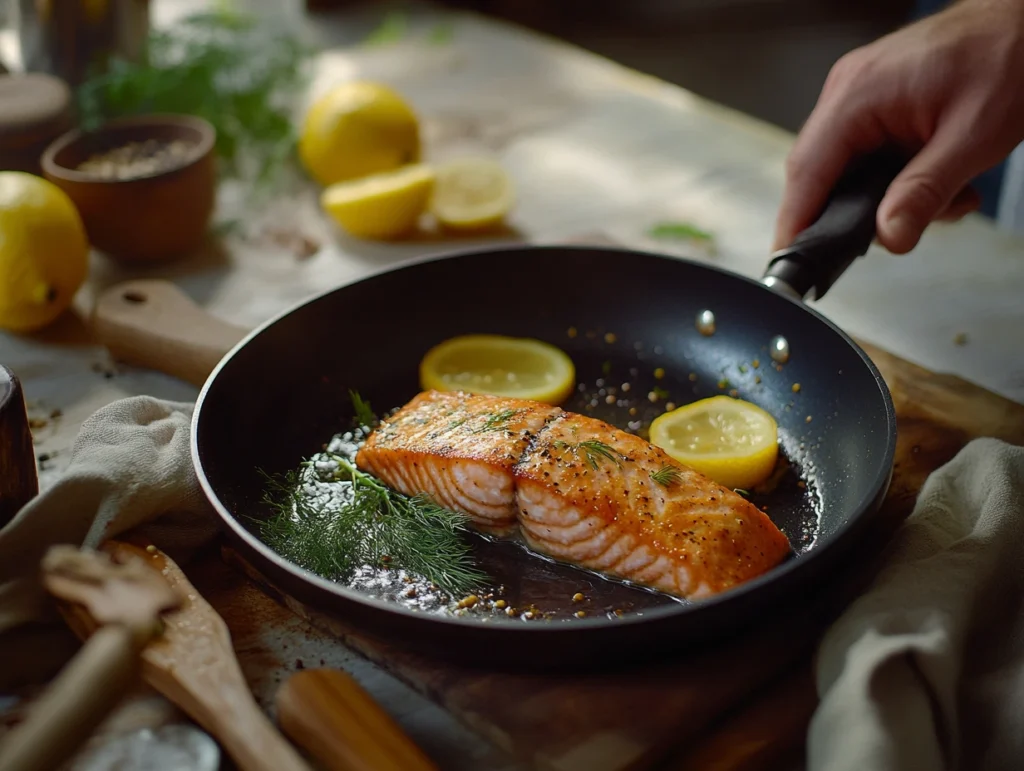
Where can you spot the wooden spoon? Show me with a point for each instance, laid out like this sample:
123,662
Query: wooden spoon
194,665
124,599
328,713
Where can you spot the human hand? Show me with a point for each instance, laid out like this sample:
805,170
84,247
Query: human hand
949,89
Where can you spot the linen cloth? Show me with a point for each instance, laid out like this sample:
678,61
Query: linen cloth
925,671
130,467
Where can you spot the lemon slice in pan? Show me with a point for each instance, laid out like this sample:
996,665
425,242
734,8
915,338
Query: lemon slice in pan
521,368
729,440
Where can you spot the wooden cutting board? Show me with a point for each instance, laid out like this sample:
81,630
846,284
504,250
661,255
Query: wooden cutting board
738,707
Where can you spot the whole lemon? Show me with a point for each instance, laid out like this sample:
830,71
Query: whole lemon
356,129
44,251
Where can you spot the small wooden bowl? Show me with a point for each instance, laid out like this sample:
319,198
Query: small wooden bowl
149,217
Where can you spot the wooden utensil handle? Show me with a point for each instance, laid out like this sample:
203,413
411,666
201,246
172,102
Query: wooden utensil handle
153,324
338,723
234,718
77,701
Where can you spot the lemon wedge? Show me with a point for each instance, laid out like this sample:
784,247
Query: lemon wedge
516,367
729,440
471,194
380,206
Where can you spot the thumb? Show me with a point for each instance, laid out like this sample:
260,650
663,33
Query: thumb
923,191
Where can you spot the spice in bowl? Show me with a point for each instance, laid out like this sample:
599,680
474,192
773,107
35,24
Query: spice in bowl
137,159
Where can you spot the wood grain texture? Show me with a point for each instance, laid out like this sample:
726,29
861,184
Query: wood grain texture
329,714
152,323
18,480
743,706
193,664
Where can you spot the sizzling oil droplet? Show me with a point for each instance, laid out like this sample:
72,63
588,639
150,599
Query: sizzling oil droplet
706,323
780,349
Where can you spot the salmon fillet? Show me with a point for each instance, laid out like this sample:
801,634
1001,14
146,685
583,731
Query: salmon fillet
577,489
460,450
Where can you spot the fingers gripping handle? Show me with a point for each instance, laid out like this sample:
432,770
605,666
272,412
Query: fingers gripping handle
843,232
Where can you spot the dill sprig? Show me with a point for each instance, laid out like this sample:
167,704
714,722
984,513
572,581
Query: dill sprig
239,74
666,476
593,451
365,416
332,531
497,421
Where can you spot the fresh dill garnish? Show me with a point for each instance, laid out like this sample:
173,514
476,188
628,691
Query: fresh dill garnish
456,423
592,449
241,75
666,476
497,421
679,231
364,414
741,491
334,527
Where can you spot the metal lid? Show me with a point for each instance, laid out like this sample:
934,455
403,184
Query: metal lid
36,108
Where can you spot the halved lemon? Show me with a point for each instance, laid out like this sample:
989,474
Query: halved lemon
522,368
380,206
471,194
729,440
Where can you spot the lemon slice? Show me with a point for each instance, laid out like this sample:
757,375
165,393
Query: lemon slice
521,368
731,441
471,194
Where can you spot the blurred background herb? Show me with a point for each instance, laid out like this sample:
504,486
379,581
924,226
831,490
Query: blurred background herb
221,66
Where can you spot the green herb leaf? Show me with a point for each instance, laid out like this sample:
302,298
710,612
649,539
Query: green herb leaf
364,414
497,421
661,393
442,33
391,30
364,522
666,476
678,231
592,450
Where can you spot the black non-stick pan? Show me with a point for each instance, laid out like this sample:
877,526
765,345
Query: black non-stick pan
282,392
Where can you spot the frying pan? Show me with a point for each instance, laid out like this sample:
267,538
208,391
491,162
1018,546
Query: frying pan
278,393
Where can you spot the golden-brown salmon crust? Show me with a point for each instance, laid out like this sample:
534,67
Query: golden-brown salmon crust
579,490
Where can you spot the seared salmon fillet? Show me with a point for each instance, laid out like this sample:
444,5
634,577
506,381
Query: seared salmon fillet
578,490
459,450
600,498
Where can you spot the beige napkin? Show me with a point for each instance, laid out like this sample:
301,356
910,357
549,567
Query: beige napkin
926,670
130,466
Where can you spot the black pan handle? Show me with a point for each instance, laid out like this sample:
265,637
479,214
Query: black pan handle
843,231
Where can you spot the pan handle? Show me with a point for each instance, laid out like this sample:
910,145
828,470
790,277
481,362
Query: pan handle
843,232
